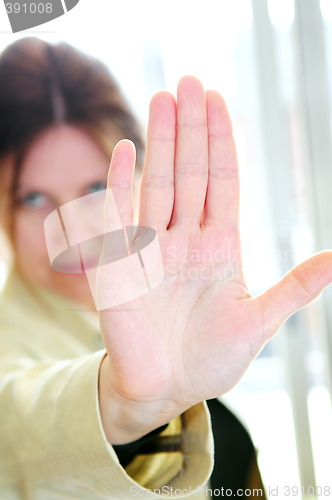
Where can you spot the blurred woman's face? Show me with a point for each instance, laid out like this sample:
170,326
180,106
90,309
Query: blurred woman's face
62,164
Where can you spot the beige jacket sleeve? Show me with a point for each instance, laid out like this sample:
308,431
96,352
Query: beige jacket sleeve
52,443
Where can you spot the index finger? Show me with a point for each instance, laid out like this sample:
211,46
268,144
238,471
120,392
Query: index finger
222,199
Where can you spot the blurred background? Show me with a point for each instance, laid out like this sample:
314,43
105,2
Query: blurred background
272,61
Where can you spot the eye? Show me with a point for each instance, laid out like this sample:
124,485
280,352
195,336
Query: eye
97,186
33,200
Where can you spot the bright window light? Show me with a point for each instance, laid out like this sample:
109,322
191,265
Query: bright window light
281,12
326,8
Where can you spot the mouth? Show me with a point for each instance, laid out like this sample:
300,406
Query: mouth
77,266
70,268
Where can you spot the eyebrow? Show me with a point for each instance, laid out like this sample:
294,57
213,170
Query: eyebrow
25,187
20,187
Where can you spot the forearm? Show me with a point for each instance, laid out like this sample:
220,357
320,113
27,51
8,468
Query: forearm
53,430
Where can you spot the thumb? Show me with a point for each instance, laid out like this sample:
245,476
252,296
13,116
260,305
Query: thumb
296,289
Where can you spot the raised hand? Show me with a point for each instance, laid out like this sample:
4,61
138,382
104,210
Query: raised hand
193,336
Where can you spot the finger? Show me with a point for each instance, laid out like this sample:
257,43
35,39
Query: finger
119,181
191,157
157,186
295,290
222,199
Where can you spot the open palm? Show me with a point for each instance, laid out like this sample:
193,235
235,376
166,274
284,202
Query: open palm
193,336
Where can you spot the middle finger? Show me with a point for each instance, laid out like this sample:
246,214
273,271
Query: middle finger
191,155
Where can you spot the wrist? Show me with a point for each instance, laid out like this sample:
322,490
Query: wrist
125,420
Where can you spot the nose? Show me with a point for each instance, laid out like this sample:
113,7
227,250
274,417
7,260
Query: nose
80,220
83,219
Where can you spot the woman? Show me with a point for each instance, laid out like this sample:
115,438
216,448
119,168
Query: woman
76,402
